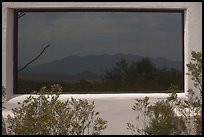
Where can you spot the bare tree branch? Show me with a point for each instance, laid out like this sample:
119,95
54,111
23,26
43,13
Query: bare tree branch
20,14
34,58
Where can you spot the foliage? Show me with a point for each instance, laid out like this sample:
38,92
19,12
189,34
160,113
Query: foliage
173,115
125,76
47,115
163,120
3,96
141,75
161,117
195,68
141,109
190,109
3,123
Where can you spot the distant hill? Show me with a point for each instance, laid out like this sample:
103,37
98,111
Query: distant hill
93,64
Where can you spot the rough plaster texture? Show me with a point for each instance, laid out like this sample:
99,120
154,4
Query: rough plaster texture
115,108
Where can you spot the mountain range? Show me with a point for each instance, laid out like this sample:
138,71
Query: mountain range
96,64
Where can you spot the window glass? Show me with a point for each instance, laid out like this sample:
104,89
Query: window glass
99,52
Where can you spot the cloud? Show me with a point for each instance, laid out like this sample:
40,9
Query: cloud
83,33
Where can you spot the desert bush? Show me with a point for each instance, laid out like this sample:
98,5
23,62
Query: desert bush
3,96
3,123
172,115
45,114
191,109
161,117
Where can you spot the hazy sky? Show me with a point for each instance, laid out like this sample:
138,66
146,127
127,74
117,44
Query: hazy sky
152,34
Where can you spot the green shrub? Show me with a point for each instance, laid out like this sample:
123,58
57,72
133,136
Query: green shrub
163,115
47,115
3,123
191,108
163,119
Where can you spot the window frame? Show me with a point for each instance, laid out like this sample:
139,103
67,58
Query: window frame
15,38
192,34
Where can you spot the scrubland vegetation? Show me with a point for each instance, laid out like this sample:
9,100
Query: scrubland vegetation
138,76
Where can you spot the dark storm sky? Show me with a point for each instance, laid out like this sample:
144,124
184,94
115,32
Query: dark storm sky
152,34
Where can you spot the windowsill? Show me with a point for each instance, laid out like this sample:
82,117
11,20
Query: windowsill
20,97
13,102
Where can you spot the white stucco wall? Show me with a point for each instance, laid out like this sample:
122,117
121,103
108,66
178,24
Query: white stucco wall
115,108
